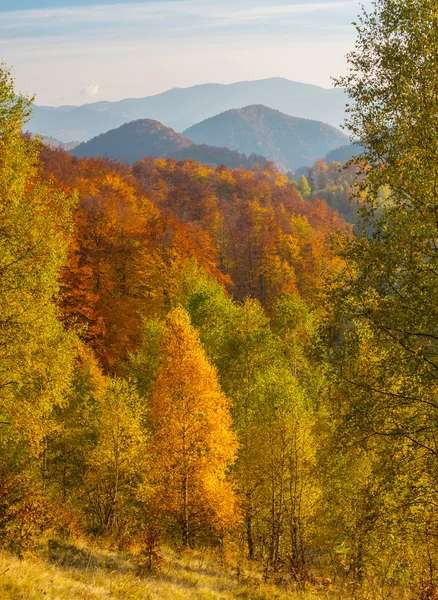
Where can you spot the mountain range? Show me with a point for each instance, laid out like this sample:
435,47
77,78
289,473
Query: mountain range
288,141
224,139
145,137
180,108
55,144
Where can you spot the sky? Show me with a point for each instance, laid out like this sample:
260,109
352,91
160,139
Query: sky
79,51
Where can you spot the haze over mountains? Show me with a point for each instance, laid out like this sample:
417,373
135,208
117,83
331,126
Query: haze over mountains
132,141
288,141
228,138
180,108
344,153
145,137
56,144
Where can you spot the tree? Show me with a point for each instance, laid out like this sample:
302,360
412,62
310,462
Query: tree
117,465
389,292
192,440
76,430
36,356
304,187
321,173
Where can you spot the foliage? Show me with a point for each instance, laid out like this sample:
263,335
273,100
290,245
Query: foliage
35,352
118,463
332,181
191,435
386,299
267,239
187,358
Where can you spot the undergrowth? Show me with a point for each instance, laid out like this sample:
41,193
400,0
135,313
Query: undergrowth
60,571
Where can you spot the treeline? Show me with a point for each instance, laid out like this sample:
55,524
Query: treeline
213,156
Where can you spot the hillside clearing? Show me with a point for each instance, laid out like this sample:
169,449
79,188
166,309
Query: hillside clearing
92,574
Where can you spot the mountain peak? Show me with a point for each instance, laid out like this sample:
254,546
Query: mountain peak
286,140
181,108
131,141
147,137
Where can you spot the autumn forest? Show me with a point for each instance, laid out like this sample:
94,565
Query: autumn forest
230,362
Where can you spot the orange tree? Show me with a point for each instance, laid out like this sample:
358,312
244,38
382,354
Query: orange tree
192,440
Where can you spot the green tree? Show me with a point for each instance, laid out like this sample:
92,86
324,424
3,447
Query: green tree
389,292
304,187
117,465
76,430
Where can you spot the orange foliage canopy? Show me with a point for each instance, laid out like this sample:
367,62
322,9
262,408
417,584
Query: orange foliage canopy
192,436
268,238
125,256
136,229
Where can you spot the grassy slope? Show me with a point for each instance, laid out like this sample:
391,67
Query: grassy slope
97,574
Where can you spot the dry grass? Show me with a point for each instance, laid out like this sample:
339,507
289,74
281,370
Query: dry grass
84,573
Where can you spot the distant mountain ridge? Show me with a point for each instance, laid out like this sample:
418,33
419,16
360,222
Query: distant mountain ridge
215,156
55,144
145,137
181,108
134,140
344,153
288,141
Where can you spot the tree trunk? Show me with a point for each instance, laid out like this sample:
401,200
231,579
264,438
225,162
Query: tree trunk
185,525
249,538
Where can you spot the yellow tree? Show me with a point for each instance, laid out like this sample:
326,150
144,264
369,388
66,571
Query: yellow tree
192,438
35,353
116,466
35,226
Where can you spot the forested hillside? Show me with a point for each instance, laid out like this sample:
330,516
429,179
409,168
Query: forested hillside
251,231
333,182
155,313
211,385
287,140
145,137
132,141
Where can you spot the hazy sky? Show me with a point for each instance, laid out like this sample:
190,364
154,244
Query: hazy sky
78,51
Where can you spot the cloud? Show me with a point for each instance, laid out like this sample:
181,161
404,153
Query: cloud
214,12
92,90
268,12
140,48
